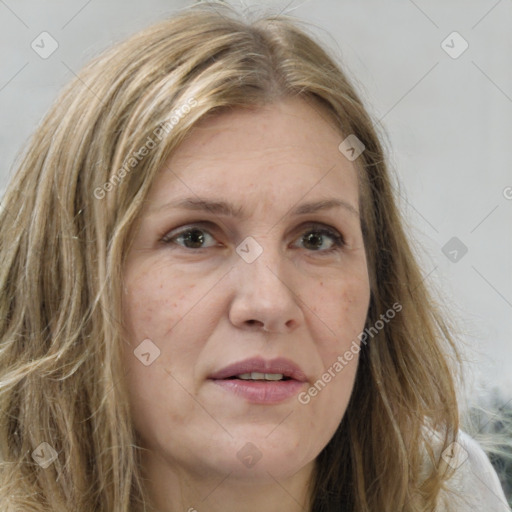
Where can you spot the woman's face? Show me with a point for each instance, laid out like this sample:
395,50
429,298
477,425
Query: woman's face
233,265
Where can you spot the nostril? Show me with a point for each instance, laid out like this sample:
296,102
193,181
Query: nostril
256,323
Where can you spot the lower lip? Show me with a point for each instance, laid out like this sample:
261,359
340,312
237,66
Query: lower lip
261,392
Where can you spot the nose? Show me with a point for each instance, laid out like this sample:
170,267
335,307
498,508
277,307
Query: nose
264,298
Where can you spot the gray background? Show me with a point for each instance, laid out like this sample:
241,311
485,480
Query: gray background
448,123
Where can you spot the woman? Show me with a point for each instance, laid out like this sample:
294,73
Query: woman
208,299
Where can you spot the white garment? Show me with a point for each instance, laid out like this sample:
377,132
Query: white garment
475,482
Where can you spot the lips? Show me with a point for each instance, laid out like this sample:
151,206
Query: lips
259,365
261,391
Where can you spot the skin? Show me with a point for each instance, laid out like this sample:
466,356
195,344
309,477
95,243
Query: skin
207,308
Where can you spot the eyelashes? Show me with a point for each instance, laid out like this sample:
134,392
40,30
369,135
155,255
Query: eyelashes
194,236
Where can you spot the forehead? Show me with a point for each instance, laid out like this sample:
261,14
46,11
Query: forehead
287,147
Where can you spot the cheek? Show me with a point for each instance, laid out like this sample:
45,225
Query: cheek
164,313
159,312
345,306
153,303
152,312
342,307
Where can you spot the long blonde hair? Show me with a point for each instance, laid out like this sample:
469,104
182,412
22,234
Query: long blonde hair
65,228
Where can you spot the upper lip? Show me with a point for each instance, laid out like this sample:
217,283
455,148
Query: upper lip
258,364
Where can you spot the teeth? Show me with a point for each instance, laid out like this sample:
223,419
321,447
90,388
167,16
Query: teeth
260,376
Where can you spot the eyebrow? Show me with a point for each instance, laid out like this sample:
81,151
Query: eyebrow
221,207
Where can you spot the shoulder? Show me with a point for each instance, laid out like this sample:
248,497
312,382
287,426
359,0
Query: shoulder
474,484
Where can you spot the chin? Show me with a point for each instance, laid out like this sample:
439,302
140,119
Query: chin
261,455
267,470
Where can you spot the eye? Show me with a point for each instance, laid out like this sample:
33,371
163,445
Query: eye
192,237
316,238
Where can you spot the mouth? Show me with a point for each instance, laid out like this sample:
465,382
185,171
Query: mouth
261,381
257,376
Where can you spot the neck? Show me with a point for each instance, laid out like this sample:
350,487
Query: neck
180,490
